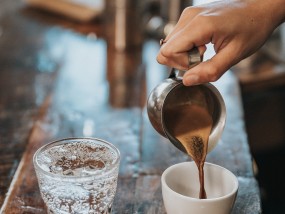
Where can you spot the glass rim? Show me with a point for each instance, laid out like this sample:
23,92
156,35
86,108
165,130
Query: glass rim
96,176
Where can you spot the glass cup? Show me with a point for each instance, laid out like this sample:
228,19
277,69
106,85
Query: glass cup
180,189
77,175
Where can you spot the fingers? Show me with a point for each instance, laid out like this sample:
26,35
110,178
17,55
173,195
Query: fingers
195,29
181,60
188,14
212,69
174,52
193,34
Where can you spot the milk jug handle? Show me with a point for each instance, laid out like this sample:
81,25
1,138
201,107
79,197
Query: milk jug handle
194,59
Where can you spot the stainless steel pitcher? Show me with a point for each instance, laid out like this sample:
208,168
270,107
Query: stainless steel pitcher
171,92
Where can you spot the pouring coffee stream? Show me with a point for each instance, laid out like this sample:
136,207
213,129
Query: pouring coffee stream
192,118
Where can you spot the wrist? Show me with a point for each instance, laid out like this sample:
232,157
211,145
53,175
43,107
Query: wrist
275,10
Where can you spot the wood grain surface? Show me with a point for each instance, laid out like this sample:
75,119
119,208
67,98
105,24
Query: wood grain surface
60,79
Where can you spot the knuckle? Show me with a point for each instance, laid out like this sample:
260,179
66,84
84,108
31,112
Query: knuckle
166,52
160,59
213,74
190,11
186,11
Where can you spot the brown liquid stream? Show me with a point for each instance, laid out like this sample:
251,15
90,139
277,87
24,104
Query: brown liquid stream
191,125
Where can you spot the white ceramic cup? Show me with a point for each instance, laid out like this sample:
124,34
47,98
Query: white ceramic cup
180,189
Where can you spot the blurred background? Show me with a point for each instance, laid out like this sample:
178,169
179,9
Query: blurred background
262,81
116,30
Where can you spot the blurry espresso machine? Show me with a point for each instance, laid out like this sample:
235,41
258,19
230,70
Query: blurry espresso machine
129,20
161,23
127,24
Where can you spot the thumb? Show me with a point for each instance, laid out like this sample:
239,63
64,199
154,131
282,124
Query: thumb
212,69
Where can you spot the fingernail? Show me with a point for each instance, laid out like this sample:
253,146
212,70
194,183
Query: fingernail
191,80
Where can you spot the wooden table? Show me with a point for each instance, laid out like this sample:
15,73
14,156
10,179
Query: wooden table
58,79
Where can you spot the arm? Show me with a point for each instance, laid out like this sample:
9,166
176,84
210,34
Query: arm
236,28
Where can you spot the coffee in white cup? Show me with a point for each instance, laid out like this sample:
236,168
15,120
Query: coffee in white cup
180,189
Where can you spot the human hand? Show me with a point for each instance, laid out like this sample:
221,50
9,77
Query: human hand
236,28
